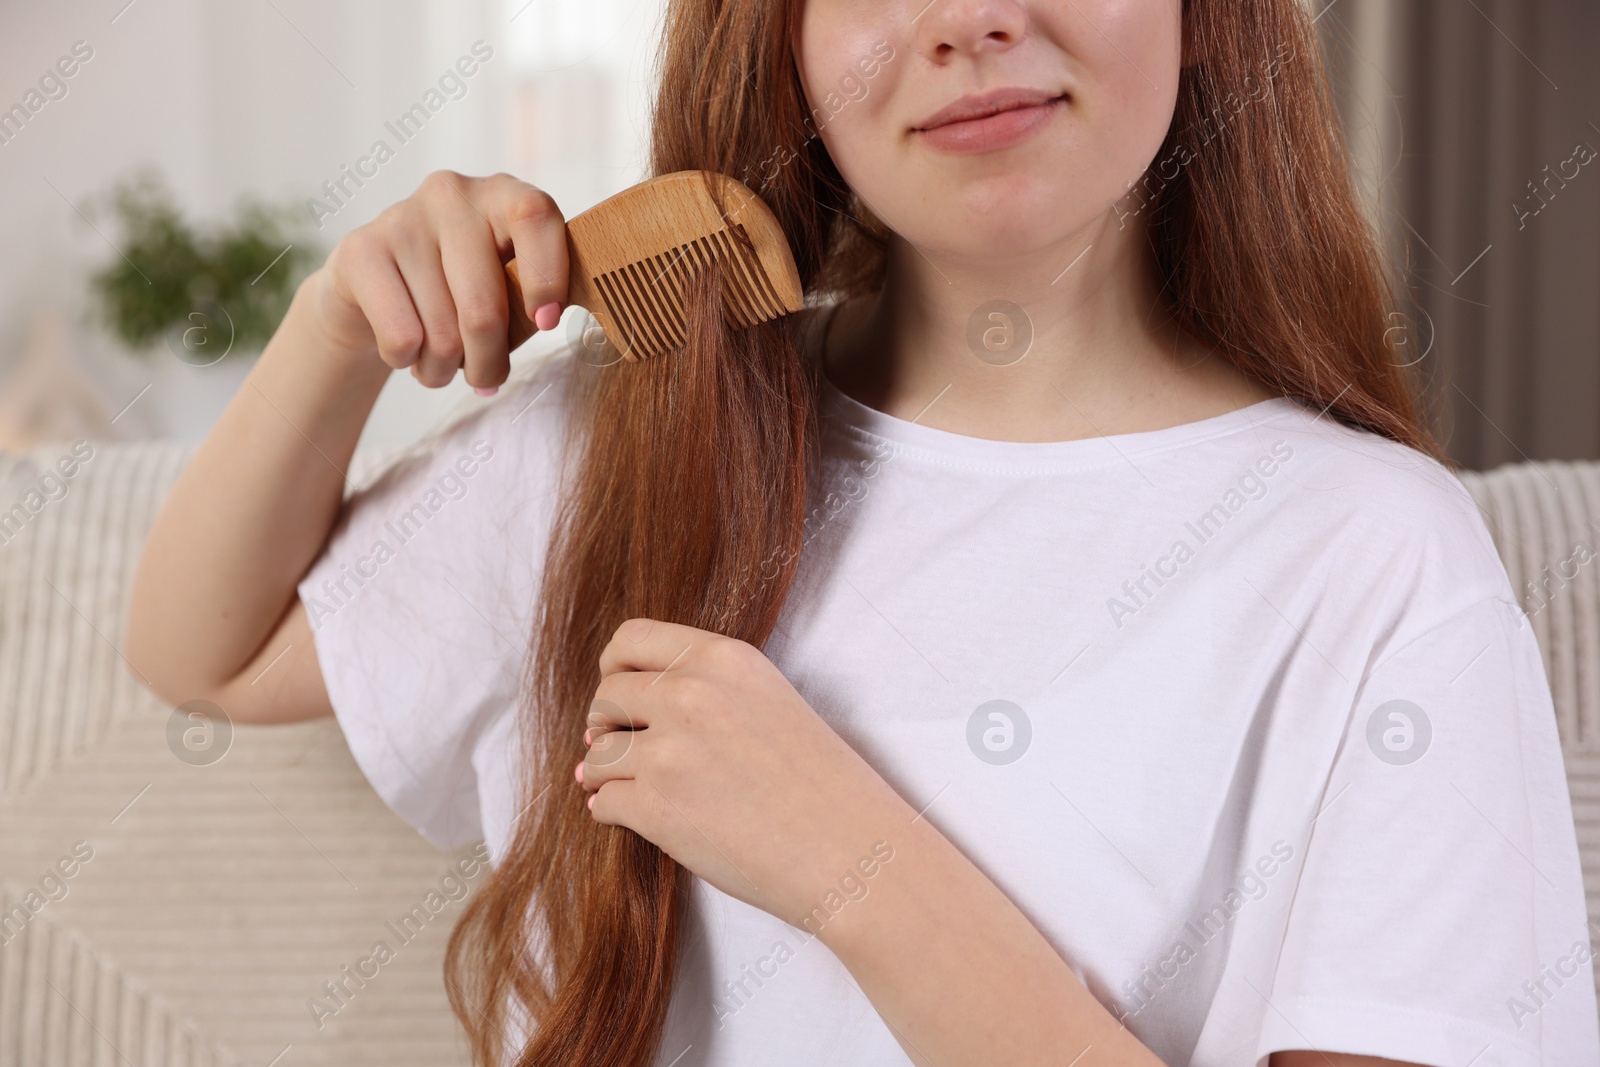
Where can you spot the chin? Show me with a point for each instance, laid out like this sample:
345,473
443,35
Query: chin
996,241
1000,227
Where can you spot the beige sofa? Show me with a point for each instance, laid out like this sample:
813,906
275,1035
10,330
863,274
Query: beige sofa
192,911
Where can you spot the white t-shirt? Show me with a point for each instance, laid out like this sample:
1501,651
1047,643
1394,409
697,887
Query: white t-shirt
1243,714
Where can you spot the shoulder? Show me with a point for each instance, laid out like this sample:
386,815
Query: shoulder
1385,513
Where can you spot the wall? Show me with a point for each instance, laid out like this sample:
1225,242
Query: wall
273,97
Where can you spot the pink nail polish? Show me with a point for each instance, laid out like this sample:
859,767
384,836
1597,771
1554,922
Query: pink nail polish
493,389
548,316
590,803
578,772
586,738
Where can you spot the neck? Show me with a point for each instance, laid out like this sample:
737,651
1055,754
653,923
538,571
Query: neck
1083,345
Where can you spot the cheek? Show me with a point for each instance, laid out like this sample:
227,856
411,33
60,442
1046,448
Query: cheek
1129,54
860,145
850,56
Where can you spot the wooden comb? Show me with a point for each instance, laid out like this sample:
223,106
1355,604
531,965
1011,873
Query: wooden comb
631,256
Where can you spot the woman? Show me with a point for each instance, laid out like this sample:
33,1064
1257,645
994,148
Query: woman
1059,644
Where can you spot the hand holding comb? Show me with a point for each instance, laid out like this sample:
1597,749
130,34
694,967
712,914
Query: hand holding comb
631,256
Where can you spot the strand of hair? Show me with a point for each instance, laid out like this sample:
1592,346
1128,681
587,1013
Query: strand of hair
640,339
763,281
744,305
756,288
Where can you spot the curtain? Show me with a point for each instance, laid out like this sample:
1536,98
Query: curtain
1475,126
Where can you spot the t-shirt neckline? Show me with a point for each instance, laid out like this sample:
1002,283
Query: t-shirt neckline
949,447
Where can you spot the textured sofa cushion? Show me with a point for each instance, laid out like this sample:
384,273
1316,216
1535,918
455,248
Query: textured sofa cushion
1545,519
220,894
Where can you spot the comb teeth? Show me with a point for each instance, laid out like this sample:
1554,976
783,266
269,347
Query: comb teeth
645,298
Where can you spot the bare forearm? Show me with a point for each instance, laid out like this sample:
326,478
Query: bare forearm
960,975
250,511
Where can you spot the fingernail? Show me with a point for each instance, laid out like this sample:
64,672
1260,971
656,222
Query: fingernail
548,316
578,773
586,740
493,389
590,803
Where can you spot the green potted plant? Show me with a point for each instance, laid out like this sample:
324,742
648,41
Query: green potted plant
202,291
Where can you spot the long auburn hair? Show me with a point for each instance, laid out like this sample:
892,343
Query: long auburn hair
694,469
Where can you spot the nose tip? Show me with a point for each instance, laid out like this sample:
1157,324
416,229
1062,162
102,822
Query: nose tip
948,27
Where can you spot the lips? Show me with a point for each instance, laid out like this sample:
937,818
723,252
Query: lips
983,105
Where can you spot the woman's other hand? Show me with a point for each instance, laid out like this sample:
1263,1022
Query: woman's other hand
699,744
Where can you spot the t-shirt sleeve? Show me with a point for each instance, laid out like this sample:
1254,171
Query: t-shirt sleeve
422,601
1439,917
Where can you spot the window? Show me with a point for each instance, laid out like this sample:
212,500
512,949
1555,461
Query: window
581,75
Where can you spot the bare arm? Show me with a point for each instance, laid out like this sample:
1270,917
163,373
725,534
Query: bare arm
213,613
962,977
213,599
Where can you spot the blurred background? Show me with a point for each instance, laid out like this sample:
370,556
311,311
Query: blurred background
1471,122
1474,125
271,100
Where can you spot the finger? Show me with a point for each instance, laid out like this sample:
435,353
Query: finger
380,292
653,645
472,269
423,271
538,233
521,327
613,755
614,709
547,317
623,802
